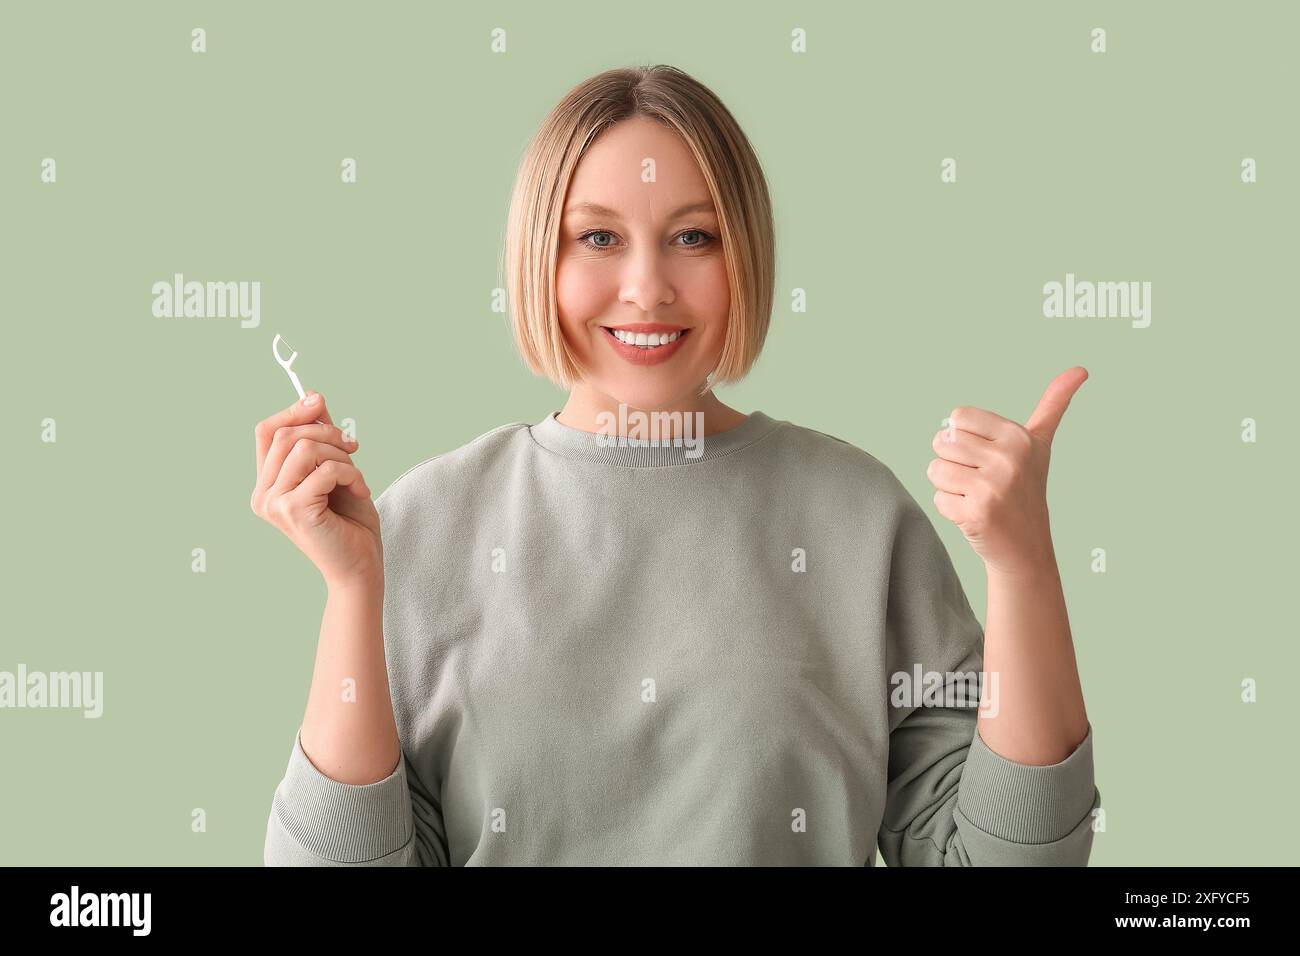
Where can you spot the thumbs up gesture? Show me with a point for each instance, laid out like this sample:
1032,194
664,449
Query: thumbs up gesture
991,476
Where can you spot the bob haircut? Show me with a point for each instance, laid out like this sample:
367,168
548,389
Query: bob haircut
729,166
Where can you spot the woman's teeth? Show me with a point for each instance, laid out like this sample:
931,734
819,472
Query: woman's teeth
651,341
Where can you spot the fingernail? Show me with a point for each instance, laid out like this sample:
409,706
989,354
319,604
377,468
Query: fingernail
312,398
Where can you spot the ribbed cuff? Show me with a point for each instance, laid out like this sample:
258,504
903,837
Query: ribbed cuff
1023,803
345,823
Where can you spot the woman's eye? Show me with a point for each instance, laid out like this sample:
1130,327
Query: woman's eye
703,240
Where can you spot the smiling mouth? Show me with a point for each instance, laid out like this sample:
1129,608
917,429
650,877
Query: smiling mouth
641,340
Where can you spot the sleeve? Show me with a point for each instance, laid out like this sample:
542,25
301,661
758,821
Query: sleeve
318,821
952,801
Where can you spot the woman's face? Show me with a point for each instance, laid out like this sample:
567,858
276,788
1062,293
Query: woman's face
652,256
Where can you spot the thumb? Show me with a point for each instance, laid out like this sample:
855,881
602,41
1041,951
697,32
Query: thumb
1055,400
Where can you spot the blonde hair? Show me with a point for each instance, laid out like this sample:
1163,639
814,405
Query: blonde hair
735,182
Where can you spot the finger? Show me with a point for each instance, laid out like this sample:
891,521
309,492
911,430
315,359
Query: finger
980,422
302,460
952,507
954,444
1056,399
296,414
951,477
287,438
323,480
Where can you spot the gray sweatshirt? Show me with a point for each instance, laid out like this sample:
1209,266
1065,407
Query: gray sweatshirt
755,651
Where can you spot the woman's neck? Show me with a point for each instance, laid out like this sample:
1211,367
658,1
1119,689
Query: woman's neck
593,411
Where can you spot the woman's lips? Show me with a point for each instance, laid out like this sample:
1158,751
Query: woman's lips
644,356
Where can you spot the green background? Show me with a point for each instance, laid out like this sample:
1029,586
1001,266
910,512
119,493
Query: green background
1122,166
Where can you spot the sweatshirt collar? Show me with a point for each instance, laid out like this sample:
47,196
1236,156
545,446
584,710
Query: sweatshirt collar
575,443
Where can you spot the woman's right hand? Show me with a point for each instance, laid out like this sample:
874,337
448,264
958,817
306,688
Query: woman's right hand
308,487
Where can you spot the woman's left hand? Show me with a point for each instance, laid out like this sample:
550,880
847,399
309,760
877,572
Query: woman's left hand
992,479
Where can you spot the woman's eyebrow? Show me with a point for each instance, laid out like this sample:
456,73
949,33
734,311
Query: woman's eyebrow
597,209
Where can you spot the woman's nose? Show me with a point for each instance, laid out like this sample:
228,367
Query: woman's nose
646,282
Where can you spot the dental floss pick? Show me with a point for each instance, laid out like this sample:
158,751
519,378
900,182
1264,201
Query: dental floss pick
286,365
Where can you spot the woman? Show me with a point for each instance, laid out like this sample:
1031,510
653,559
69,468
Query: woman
690,637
